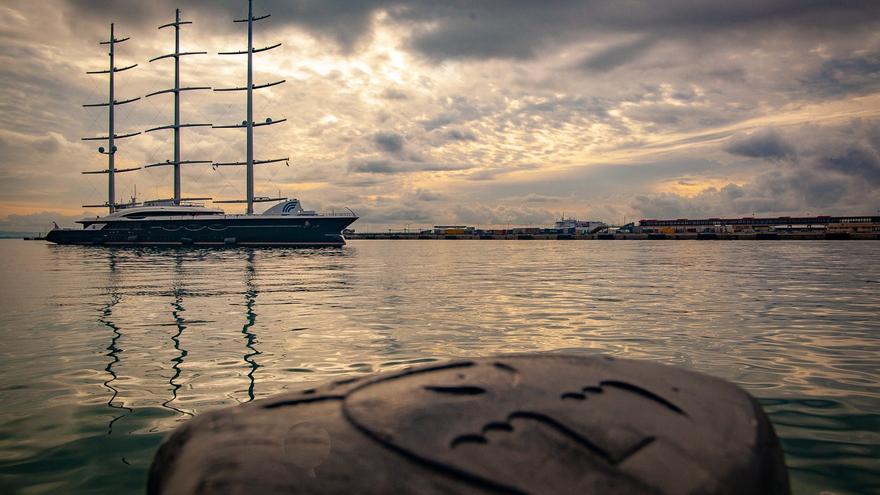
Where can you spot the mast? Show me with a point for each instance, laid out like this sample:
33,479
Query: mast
111,136
249,124
176,163
250,110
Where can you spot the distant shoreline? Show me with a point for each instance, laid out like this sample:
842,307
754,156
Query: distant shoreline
805,236
19,235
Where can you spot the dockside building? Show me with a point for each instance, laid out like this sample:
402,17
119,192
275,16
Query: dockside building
852,225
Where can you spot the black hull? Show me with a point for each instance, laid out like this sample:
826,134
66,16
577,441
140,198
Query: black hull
226,231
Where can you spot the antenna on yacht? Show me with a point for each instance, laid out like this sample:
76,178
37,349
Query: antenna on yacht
176,126
111,136
249,124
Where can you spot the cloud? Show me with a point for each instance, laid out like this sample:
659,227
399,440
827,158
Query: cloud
460,135
373,167
488,173
773,193
524,29
833,170
385,213
36,222
541,198
18,147
857,73
455,109
519,30
388,141
857,162
578,106
425,195
402,167
767,144
394,94
481,214
617,55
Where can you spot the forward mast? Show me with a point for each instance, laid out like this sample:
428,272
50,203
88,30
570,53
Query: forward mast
111,136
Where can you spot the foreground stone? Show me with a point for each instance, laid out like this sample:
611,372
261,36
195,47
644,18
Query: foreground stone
510,424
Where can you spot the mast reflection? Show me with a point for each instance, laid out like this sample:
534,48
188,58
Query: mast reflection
250,296
113,348
177,313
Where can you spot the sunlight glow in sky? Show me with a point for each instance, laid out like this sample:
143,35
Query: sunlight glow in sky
484,113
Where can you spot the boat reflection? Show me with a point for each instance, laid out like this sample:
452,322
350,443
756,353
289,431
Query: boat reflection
180,322
120,410
195,295
250,297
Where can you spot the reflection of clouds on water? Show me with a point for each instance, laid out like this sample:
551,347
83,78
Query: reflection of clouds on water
204,328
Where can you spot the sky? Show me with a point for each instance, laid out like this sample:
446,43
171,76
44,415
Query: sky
492,113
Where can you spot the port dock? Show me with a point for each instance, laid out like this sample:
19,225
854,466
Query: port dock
740,229
628,236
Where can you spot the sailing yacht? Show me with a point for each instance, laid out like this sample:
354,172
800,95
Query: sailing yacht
179,221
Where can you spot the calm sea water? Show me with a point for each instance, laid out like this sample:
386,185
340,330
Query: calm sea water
106,350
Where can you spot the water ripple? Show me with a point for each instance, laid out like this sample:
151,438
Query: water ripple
107,350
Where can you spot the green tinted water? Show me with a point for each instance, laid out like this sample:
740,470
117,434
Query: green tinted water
104,351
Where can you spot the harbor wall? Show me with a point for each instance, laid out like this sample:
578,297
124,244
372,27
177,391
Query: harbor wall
805,236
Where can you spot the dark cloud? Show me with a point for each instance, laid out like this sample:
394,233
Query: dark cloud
402,167
683,117
393,94
735,75
521,29
767,144
425,195
853,74
462,41
343,22
457,109
390,142
438,122
617,55
460,135
772,193
857,162
832,170
126,14
373,167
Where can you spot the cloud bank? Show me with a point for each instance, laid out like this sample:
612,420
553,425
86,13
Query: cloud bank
416,112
